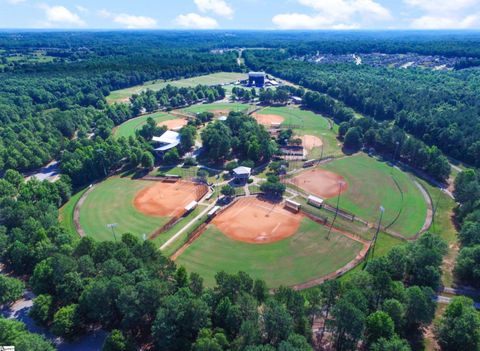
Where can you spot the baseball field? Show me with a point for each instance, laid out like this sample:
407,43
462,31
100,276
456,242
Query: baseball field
270,243
123,95
315,130
129,127
366,184
134,206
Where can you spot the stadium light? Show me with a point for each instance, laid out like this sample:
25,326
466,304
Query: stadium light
112,226
340,186
382,211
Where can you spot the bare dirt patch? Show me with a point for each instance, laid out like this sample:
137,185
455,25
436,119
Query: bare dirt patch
268,119
174,124
164,199
257,221
220,112
311,141
319,182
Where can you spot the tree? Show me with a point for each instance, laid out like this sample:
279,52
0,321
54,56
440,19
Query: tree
459,328
467,266
116,341
278,323
394,344
348,322
179,321
65,322
147,160
228,190
171,156
42,309
420,306
188,135
353,139
378,325
11,289
14,333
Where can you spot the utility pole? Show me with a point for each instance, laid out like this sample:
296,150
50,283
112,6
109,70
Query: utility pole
396,150
112,226
340,183
372,248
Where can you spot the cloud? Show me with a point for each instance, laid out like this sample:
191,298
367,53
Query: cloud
135,22
195,21
333,14
445,14
432,22
60,15
219,7
81,8
15,2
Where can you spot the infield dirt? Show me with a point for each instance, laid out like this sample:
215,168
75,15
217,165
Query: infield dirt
257,221
320,183
164,199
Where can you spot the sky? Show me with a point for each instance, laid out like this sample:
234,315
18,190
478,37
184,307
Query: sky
240,14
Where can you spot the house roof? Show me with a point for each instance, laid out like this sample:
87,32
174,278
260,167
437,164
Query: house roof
169,140
242,170
257,74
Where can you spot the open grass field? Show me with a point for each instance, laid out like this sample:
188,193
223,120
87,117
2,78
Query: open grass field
309,123
209,79
372,184
226,107
129,127
299,258
112,202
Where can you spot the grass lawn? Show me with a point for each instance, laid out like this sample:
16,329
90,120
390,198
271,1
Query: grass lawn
129,127
112,202
209,79
236,107
372,184
66,213
309,124
304,256
444,227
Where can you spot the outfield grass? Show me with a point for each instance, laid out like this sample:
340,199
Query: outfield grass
309,123
209,79
372,184
302,257
236,107
129,127
112,202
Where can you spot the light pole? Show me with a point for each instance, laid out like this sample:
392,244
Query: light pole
396,150
382,210
112,226
340,183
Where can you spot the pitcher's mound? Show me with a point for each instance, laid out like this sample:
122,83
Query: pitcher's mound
164,199
256,221
268,120
320,182
174,124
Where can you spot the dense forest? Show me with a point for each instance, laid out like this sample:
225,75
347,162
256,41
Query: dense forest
57,110
440,108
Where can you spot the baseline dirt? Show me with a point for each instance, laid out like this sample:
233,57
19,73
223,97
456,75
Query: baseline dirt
268,119
164,199
311,141
174,123
319,182
257,221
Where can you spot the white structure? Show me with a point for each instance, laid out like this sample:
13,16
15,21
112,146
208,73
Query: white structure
315,201
222,118
167,141
213,211
292,205
191,206
242,173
